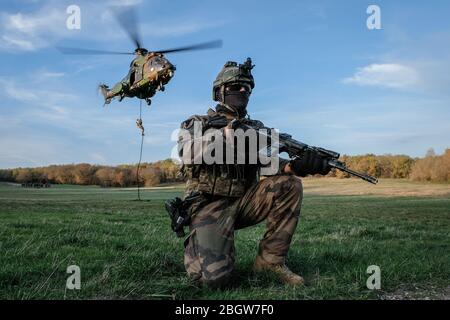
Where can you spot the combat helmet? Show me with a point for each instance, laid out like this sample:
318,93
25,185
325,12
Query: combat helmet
232,73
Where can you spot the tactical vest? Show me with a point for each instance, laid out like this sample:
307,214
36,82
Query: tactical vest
221,180
229,180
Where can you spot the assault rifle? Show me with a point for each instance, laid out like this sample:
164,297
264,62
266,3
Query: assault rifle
295,149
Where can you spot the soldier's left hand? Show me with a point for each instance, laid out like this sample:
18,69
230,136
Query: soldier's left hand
310,163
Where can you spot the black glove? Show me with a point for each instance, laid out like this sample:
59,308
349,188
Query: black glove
217,122
310,163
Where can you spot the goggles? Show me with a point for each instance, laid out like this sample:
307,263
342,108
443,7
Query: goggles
238,87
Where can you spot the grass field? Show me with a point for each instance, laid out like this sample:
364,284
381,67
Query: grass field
126,250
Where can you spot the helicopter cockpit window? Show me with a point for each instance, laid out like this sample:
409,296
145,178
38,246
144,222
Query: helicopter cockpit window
157,61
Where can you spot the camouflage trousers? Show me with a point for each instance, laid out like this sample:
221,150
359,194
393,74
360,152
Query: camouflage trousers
209,249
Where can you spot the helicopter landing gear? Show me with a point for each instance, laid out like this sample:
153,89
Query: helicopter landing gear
160,87
149,101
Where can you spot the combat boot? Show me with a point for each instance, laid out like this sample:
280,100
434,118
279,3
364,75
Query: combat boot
282,271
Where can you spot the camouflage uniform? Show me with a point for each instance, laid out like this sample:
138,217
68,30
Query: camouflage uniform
234,197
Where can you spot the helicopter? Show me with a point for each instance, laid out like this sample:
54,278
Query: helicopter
149,71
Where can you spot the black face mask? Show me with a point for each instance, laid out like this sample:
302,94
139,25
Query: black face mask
237,100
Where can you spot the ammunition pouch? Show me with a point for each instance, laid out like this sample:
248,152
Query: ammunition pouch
221,180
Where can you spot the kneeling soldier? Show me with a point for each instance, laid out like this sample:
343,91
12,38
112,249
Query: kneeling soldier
233,197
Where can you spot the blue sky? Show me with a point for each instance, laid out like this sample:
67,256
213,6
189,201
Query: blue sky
320,74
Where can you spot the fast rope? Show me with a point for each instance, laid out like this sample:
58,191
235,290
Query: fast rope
141,127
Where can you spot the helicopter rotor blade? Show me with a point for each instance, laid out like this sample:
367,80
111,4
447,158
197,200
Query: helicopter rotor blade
127,18
69,50
200,46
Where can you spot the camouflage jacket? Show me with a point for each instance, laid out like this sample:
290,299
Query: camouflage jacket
230,180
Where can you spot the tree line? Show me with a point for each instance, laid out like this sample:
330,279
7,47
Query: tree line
432,167
150,174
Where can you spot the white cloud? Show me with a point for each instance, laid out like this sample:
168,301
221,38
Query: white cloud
390,75
16,93
46,26
27,24
52,74
42,97
17,43
29,32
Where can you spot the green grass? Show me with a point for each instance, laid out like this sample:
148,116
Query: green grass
126,250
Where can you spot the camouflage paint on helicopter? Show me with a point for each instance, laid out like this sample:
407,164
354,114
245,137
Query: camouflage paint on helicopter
149,72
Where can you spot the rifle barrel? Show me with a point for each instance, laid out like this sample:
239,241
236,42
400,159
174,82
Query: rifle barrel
342,167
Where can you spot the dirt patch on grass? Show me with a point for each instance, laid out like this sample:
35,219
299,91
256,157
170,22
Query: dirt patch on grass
417,292
385,187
